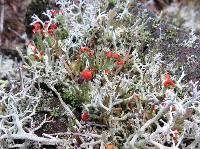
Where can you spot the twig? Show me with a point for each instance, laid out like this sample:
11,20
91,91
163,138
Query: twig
21,55
76,134
2,20
92,143
42,123
16,33
149,122
21,77
32,137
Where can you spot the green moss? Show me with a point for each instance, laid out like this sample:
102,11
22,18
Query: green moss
62,33
145,36
111,3
70,99
55,112
37,38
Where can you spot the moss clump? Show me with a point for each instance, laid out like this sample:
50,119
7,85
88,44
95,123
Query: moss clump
70,99
62,33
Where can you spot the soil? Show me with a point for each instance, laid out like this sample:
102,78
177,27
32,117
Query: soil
58,123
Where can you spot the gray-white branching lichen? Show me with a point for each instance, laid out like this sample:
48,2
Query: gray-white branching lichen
90,52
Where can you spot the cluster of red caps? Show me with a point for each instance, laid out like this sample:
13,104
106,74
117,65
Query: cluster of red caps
51,28
168,81
56,12
88,51
88,74
38,28
116,56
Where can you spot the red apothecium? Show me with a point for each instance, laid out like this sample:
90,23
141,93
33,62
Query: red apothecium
50,31
168,82
116,56
175,133
87,74
36,28
36,57
120,62
85,116
54,12
109,54
53,26
107,71
84,49
91,53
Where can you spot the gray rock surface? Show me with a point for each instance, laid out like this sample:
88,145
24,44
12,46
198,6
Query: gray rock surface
176,45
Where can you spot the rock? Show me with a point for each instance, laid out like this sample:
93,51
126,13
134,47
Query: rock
177,46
